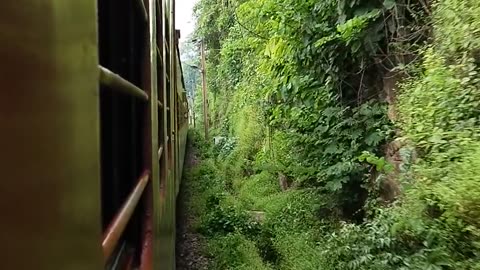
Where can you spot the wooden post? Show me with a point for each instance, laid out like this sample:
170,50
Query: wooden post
204,89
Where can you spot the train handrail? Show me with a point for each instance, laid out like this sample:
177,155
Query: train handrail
116,82
120,221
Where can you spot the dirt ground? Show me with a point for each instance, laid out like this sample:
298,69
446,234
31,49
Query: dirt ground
189,243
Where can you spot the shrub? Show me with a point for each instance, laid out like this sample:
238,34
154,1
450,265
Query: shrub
235,252
254,188
224,219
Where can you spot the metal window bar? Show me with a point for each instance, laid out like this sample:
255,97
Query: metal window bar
159,55
160,152
115,81
118,257
143,10
167,46
160,105
119,223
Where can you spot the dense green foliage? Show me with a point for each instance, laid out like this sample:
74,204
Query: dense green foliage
299,91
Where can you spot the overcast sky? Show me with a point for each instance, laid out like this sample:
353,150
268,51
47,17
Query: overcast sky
184,17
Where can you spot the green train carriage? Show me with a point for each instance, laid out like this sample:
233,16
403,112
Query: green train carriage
93,113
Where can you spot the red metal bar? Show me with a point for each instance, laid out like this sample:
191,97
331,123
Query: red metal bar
116,228
129,263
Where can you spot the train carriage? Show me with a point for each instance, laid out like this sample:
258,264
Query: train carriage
93,114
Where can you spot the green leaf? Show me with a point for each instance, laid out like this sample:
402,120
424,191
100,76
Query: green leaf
373,139
331,149
389,4
337,184
380,164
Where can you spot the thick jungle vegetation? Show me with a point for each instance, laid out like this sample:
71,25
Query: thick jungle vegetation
347,134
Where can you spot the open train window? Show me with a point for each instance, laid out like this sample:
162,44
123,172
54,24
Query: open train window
122,41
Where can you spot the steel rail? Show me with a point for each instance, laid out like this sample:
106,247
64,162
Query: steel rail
119,223
115,81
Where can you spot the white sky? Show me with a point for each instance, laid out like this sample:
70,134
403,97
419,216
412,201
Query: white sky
184,17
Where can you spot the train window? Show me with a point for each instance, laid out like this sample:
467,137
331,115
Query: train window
122,43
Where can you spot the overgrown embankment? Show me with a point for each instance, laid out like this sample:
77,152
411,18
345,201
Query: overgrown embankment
350,134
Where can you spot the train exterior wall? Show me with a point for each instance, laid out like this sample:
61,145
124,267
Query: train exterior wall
50,152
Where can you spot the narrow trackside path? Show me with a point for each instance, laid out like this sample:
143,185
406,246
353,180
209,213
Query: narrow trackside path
189,243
